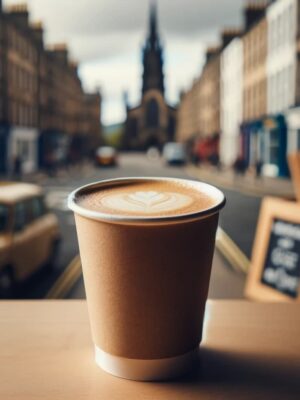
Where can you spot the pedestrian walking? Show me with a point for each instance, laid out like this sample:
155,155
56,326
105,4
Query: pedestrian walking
17,167
239,166
258,168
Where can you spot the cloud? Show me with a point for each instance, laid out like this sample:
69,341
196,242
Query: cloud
189,17
103,21
106,37
88,48
177,16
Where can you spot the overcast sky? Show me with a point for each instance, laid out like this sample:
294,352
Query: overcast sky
106,36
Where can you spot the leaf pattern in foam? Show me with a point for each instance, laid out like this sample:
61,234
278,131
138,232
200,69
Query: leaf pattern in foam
148,199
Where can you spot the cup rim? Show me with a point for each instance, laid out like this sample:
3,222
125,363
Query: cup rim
117,218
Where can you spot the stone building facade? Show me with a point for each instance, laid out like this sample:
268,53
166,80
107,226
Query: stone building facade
152,122
259,92
20,87
90,120
188,120
3,105
263,133
198,122
231,100
282,19
255,70
283,67
255,47
209,102
43,106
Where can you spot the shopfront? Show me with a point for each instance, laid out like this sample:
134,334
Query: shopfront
207,149
52,149
251,142
264,144
274,149
23,143
293,129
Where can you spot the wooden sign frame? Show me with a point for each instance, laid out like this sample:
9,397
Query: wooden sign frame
294,165
271,208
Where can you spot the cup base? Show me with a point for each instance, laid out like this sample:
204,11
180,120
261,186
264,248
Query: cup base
145,370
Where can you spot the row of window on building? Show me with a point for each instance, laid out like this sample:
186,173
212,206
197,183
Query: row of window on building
259,81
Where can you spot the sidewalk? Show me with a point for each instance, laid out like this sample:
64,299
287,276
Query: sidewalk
246,184
62,174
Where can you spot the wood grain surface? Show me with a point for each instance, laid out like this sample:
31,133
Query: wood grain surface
249,351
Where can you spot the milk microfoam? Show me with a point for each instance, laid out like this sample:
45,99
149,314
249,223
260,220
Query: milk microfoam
151,198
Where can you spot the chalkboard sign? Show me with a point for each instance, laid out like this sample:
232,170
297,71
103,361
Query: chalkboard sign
294,164
275,265
282,266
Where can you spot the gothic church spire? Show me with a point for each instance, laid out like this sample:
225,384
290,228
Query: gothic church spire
153,77
153,35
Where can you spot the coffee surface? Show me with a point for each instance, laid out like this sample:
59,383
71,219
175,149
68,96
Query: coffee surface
146,198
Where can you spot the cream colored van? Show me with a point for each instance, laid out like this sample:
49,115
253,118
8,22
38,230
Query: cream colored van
29,233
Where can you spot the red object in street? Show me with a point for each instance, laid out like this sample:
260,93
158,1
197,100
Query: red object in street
207,149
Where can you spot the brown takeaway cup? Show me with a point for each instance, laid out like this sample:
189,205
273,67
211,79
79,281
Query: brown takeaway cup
146,283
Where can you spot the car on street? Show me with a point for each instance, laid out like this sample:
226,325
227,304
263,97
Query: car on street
29,234
106,156
174,153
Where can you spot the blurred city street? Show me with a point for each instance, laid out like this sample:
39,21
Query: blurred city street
225,282
200,91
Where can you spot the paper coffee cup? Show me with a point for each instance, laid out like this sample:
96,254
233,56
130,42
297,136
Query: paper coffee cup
146,283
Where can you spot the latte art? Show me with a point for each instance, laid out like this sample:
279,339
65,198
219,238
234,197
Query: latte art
147,202
149,198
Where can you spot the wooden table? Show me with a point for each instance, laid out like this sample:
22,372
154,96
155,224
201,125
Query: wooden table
249,351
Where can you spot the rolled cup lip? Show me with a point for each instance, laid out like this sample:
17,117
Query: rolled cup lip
118,218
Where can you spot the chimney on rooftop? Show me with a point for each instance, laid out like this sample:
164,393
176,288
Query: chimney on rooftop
228,35
19,13
60,52
253,11
211,52
38,32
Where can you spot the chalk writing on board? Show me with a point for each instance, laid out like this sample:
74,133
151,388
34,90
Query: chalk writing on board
282,265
